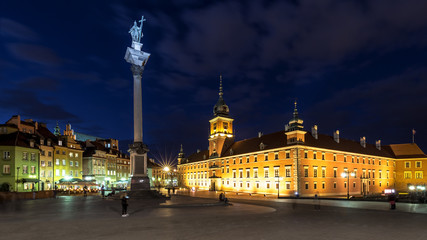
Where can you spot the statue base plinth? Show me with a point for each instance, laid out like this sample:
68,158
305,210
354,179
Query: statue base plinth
139,183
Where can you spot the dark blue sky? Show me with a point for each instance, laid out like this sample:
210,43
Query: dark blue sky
356,66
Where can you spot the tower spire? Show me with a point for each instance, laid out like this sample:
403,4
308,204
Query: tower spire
295,110
220,86
220,108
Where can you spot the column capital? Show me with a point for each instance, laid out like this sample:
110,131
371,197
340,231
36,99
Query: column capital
137,70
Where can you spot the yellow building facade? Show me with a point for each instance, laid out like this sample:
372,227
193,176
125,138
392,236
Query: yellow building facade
294,162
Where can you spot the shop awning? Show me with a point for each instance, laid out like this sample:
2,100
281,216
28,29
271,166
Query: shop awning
71,180
24,180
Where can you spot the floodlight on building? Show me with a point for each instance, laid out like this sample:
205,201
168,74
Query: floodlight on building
166,169
411,187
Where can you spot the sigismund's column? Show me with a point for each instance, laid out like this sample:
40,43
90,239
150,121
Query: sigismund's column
138,150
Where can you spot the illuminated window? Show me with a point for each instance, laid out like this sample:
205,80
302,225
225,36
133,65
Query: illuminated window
379,174
63,173
76,155
25,169
63,162
419,174
407,174
240,173
43,163
276,172
57,172
305,171
266,172
287,171
314,171
255,172
323,172
6,169
71,163
70,154
33,156
24,156
6,155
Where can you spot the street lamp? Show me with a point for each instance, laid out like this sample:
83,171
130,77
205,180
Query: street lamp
346,175
17,179
278,186
166,169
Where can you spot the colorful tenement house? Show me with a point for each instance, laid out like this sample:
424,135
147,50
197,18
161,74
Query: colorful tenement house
295,162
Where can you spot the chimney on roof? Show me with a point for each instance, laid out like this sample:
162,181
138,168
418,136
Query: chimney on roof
259,134
378,144
314,132
337,136
363,141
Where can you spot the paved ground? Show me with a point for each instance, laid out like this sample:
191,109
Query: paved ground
75,217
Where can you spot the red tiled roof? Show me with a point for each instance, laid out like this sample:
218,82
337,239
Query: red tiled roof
17,139
278,139
407,150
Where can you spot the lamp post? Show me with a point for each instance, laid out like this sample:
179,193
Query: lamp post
166,169
347,175
278,186
17,179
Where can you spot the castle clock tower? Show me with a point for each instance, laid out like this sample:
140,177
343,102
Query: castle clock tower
221,126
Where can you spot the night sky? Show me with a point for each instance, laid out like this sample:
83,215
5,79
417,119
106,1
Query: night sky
356,66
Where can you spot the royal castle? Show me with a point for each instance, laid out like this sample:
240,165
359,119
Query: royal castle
296,162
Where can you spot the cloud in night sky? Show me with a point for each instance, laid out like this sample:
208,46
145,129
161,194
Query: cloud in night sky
27,103
34,53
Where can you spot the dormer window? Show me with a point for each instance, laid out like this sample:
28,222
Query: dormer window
60,142
261,146
41,141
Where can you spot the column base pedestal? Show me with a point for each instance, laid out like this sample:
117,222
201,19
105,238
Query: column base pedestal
139,183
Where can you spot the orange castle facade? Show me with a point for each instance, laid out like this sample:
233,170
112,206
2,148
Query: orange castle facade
294,162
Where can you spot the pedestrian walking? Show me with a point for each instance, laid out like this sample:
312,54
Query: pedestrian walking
85,191
125,206
103,191
392,200
316,202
